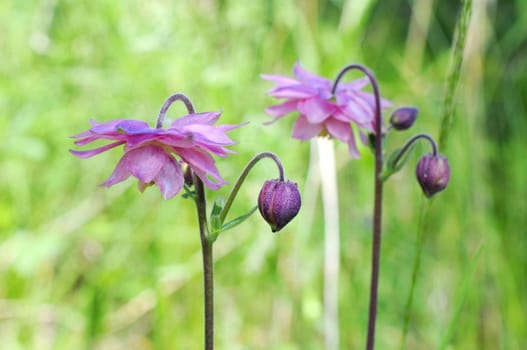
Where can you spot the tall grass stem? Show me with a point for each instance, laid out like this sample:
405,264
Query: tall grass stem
447,122
454,75
423,213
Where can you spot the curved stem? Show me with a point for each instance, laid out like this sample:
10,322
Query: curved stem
243,175
168,103
377,206
411,141
208,269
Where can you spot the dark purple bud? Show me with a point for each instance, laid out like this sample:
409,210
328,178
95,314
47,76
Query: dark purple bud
433,173
279,202
403,118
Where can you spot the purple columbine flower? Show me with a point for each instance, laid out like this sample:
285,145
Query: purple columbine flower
156,155
323,113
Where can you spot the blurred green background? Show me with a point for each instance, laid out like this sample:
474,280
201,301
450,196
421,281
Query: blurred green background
82,267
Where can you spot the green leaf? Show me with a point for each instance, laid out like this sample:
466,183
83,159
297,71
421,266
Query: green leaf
188,193
215,215
217,207
396,161
238,220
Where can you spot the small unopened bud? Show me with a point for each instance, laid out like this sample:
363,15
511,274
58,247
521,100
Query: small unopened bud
403,118
187,175
433,173
279,202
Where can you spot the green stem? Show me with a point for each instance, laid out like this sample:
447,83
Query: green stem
416,266
243,175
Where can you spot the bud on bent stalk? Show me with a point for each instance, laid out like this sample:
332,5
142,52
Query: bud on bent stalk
403,118
279,202
433,173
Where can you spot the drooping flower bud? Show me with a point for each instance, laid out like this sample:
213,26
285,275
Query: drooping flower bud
187,174
433,173
279,202
403,118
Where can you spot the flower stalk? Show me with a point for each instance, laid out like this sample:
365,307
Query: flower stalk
243,175
208,269
407,146
205,238
168,102
377,205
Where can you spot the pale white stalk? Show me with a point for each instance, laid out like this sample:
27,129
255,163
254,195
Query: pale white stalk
328,176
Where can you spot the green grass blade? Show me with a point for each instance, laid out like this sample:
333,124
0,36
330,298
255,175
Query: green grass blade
454,75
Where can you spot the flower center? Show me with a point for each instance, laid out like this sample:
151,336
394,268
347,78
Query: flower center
324,133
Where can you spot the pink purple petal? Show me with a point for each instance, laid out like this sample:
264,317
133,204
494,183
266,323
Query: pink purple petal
120,173
352,147
282,109
293,91
229,127
208,118
92,152
303,130
170,178
200,160
316,110
132,127
356,85
145,162
339,130
209,134
279,79
108,128
210,184
86,133
219,151
308,77
86,140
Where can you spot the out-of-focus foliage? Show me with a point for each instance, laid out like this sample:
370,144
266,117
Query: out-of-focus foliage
86,267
